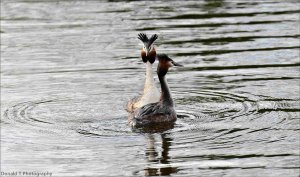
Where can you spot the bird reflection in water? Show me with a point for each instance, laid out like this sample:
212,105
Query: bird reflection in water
161,160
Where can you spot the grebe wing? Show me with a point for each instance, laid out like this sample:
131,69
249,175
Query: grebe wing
149,109
129,107
152,114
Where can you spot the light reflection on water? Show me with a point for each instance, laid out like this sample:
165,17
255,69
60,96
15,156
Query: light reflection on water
68,68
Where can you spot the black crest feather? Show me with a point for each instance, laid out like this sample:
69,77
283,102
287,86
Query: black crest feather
163,56
152,39
147,42
143,37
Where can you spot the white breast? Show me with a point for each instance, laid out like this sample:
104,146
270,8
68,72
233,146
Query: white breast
151,94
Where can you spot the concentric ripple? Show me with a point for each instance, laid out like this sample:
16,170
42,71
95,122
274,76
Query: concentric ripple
203,111
41,115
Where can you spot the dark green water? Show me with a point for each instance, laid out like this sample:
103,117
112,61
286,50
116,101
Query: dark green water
68,68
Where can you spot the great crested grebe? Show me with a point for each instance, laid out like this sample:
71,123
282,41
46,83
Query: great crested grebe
162,111
150,93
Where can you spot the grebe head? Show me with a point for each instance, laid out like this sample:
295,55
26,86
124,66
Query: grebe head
165,62
148,51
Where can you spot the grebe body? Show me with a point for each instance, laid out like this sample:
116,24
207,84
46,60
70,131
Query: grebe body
162,111
150,93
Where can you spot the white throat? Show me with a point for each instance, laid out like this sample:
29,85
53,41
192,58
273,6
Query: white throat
151,94
149,82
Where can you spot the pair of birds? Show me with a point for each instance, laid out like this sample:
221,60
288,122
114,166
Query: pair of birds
153,107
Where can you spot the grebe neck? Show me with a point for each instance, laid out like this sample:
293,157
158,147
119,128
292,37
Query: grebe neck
165,96
149,82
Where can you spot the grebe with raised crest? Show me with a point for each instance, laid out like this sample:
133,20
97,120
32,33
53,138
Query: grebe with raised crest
162,111
150,93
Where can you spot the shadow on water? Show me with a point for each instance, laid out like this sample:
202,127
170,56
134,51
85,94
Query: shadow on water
157,128
153,157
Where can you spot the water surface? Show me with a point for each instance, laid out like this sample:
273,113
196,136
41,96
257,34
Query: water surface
69,67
